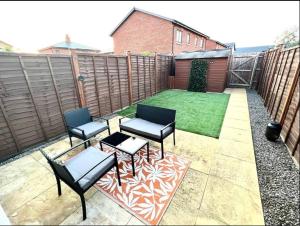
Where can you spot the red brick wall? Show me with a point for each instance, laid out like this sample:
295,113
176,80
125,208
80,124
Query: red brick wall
211,44
184,46
142,32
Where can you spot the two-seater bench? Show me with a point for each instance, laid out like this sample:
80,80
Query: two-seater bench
154,123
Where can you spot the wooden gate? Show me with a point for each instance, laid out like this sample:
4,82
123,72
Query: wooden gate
244,70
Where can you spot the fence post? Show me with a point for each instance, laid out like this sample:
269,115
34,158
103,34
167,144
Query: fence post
76,71
108,82
96,86
253,70
129,73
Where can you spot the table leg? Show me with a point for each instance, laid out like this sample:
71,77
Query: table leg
101,146
132,161
148,159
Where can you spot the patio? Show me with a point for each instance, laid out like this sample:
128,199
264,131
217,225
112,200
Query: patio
220,187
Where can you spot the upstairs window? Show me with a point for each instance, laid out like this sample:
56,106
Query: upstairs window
196,41
178,36
188,38
201,43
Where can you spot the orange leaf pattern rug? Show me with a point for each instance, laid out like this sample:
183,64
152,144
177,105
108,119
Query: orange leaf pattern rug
149,193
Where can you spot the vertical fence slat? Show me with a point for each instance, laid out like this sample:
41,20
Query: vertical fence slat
144,66
150,76
120,91
32,97
129,74
96,85
155,72
108,82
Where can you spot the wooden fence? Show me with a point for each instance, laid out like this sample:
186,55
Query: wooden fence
35,90
111,83
244,70
279,88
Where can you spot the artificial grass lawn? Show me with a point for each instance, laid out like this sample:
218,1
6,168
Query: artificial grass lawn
200,113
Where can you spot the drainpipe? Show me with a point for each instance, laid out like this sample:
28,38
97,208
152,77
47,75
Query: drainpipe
173,39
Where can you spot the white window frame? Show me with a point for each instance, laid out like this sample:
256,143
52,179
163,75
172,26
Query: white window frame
201,43
178,36
188,38
196,41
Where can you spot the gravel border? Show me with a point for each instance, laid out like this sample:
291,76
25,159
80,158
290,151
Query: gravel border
278,175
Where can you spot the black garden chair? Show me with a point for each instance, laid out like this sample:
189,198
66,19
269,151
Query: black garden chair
82,125
83,170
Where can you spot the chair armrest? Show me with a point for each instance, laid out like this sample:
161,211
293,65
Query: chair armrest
99,117
115,156
166,126
82,131
70,149
125,116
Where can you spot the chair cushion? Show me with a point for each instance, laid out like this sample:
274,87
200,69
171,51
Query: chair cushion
86,160
145,128
90,129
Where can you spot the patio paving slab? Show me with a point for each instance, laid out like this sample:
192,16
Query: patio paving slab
183,209
225,202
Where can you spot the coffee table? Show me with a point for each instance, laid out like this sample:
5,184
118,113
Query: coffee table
125,143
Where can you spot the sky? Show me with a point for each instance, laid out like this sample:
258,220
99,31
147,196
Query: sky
30,26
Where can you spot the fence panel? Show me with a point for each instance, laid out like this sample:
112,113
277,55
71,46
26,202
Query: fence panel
35,91
279,87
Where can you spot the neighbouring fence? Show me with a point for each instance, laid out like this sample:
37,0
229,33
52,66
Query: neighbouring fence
279,88
35,91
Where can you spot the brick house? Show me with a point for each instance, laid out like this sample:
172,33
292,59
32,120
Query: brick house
141,31
67,47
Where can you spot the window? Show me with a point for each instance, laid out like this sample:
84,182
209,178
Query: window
178,36
201,43
196,40
188,38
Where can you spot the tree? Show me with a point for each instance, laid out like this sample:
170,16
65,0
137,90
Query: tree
289,37
197,80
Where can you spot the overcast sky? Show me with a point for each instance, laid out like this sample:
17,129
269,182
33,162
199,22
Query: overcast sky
33,25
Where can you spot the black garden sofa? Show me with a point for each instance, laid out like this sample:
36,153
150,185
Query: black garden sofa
154,123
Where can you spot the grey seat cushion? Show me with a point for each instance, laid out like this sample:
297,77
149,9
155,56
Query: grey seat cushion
145,128
90,129
86,160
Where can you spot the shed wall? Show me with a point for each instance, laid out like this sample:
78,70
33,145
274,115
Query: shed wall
216,75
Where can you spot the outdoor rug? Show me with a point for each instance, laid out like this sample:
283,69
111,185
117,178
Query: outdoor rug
148,194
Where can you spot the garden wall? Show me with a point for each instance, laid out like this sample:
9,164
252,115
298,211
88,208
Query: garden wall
35,91
279,88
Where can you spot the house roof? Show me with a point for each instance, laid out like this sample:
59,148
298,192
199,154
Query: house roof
159,16
72,45
253,49
220,53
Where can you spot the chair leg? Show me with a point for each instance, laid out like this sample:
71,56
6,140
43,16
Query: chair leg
162,149
117,169
71,141
83,206
85,146
108,131
58,185
89,143
174,137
